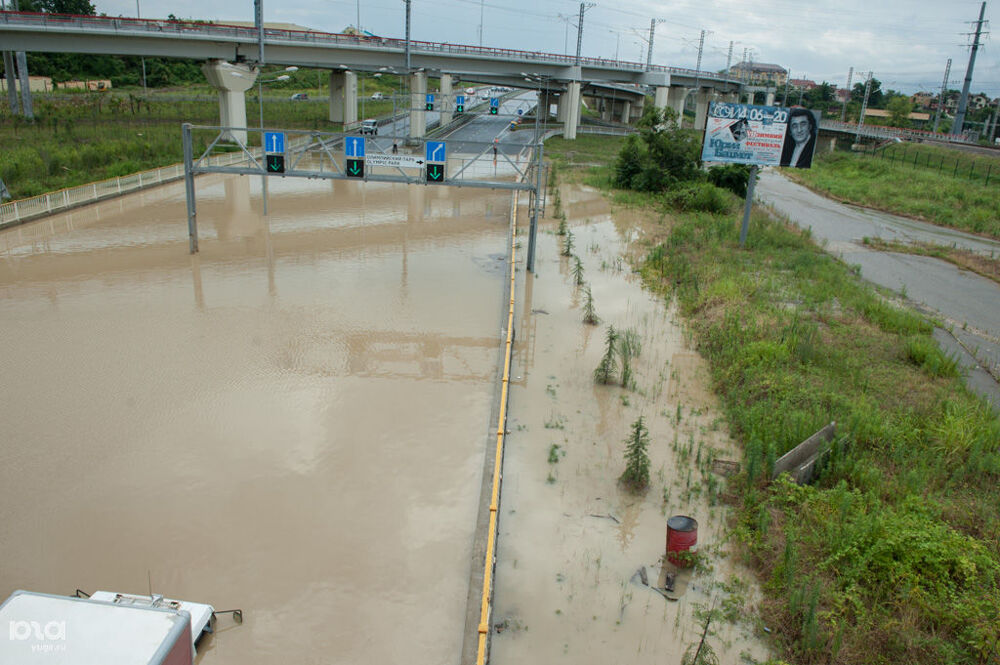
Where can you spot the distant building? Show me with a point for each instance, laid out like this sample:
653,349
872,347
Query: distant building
759,73
924,100
803,84
35,84
843,95
918,119
91,85
979,101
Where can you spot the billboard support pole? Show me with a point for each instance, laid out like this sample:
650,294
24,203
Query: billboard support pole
747,206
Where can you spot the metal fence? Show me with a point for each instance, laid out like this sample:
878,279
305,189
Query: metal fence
961,166
18,212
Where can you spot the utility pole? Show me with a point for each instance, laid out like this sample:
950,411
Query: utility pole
407,35
652,30
843,110
258,17
584,6
964,99
138,15
944,91
788,82
864,107
729,59
481,6
697,69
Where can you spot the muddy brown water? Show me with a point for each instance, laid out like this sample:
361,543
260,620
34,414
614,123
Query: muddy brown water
571,539
293,422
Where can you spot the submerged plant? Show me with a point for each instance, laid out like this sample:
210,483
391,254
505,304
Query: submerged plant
608,366
589,315
636,474
568,244
577,271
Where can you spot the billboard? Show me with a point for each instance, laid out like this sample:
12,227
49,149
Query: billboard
761,135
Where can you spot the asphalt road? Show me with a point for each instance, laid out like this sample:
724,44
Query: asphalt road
967,304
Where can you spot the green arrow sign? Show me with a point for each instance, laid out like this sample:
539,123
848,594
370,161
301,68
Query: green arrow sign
355,168
275,163
460,108
435,173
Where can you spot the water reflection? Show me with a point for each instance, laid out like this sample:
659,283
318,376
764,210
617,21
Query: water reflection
298,408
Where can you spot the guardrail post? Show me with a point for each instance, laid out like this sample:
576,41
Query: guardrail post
48,203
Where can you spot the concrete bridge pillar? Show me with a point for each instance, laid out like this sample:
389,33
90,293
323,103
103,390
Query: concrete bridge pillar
675,100
702,98
572,102
447,105
626,111
344,97
418,116
770,98
661,95
232,81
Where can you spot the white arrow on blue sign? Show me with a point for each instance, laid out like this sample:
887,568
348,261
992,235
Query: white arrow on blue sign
436,151
430,98
274,142
460,99
354,146
494,101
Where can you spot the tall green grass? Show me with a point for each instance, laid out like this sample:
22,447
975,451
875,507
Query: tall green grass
933,190
893,556
81,138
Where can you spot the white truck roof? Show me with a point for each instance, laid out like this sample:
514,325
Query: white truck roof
62,630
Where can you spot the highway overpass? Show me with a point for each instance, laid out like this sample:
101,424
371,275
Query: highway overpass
231,54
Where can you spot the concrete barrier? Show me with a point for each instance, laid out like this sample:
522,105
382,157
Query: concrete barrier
800,461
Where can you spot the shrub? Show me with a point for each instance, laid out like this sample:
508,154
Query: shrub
734,177
636,474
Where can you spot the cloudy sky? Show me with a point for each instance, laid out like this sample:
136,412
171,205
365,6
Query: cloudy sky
905,42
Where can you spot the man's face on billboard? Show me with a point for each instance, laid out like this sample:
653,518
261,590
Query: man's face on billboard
800,128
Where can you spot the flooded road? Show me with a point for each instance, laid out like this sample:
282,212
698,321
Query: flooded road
292,422
571,538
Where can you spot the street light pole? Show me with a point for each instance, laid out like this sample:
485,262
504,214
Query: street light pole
138,15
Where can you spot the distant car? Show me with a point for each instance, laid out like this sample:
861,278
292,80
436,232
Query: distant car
299,96
484,95
369,126
470,92
378,95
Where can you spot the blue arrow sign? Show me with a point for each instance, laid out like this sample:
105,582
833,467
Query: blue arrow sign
436,151
430,99
460,99
494,101
274,141
354,146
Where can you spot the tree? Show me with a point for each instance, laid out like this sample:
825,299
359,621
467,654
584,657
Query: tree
874,96
636,474
899,111
80,7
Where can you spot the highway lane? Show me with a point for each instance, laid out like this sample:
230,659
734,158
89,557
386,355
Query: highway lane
969,305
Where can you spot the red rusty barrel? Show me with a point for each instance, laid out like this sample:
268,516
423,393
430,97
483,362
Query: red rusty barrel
682,536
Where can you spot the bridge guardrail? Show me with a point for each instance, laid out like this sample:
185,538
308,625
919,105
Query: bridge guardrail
24,210
123,24
882,131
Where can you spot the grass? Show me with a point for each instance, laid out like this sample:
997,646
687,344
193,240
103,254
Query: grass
893,556
933,190
81,138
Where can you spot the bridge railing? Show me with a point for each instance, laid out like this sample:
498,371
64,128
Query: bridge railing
23,210
883,132
123,24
